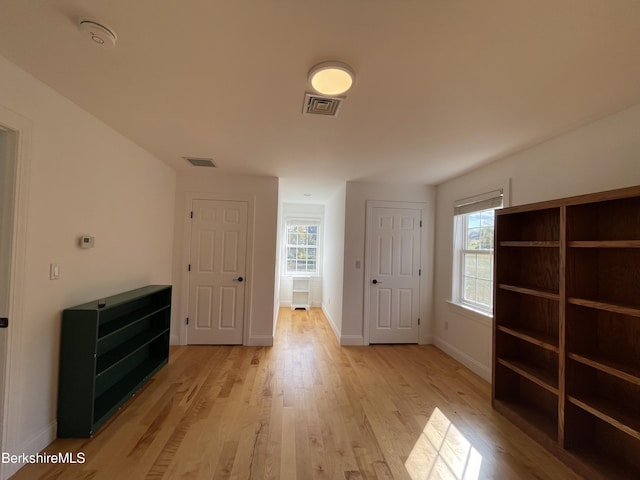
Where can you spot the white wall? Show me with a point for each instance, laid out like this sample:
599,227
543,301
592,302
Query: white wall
357,194
333,259
262,193
303,211
600,156
84,178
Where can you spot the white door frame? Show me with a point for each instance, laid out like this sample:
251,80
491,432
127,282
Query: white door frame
186,257
370,205
11,405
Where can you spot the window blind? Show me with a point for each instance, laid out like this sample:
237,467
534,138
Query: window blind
478,203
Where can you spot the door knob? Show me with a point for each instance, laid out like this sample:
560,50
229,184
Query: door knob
375,282
4,322
240,279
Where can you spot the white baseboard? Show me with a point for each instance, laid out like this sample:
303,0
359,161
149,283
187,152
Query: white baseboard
261,341
472,364
35,445
174,340
333,325
351,340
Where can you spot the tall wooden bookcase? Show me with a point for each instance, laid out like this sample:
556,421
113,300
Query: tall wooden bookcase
566,341
109,349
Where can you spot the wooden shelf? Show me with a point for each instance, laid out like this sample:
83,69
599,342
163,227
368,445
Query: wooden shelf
119,354
534,374
528,418
604,244
567,290
610,413
598,465
301,293
111,400
530,243
108,351
623,371
531,291
127,321
536,338
633,311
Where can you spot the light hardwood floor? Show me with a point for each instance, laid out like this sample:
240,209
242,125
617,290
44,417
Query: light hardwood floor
307,408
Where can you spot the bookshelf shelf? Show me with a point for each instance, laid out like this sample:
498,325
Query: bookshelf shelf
109,350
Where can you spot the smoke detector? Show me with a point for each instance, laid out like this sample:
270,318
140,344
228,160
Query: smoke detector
100,34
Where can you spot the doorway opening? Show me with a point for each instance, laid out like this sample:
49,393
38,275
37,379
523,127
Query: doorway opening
14,140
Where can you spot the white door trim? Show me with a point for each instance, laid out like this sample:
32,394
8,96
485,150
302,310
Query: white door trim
186,256
12,401
370,205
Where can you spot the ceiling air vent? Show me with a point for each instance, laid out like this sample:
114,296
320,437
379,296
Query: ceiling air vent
200,162
319,105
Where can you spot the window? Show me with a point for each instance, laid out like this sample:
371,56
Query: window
474,222
302,248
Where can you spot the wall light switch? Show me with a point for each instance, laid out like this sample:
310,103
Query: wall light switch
54,271
358,264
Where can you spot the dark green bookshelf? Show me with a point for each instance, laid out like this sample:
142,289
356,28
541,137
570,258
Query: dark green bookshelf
107,353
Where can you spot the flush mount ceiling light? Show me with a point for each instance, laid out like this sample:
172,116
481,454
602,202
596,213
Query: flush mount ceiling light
331,78
100,34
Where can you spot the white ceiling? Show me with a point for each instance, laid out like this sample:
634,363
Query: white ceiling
442,85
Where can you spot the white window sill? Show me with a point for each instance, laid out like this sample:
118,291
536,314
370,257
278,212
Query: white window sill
471,313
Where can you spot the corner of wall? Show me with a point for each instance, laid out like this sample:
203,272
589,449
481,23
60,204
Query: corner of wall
332,323
476,367
351,340
261,341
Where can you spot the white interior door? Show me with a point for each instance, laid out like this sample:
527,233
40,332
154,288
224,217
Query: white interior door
7,188
393,259
217,272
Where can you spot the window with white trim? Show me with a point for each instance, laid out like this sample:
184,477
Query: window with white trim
302,247
474,220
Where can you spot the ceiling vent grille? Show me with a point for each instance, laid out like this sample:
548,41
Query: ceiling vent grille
200,162
319,105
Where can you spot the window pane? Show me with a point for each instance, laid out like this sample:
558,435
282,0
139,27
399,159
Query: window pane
484,267
483,288
470,289
470,264
473,277
486,238
473,239
302,248
474,219
487,218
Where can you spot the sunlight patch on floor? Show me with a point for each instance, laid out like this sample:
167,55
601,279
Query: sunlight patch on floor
442,452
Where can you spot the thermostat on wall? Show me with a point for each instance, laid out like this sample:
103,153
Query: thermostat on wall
87,241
